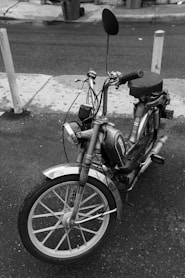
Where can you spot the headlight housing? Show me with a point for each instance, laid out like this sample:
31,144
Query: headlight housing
71,129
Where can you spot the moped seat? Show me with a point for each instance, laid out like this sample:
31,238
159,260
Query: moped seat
150,83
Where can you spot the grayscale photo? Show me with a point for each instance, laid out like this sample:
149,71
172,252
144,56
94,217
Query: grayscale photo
92,138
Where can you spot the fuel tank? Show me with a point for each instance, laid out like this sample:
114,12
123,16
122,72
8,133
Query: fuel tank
114,146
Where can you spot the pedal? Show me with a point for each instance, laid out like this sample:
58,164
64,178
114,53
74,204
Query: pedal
167,114
157,159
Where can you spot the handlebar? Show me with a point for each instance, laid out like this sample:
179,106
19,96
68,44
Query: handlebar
115,79
123,78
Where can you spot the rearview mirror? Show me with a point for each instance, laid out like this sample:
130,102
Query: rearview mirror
110,22
110,25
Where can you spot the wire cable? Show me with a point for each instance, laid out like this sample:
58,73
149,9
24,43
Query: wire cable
67,113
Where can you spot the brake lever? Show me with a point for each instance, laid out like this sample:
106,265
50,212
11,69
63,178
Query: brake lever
79,80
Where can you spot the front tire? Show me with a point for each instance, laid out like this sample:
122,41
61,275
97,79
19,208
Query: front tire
43,216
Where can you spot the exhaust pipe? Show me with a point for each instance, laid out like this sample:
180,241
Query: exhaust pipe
154,151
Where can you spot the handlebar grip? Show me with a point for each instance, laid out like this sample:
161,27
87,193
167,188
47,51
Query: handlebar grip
123,78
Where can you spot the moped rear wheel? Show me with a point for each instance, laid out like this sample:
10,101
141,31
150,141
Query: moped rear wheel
43,219
151,133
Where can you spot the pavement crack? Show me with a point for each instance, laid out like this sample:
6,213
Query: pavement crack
37,92
10,7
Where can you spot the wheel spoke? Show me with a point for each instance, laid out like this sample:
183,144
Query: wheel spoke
51,228
51,232
52,212
68,241
86,230
63,201
88,207
62,240
88,198
90,213
98,216
67,193
47,215
83,236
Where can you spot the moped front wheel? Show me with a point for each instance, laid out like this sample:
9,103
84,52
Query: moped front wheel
43,221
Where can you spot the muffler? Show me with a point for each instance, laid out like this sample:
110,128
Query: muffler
153,154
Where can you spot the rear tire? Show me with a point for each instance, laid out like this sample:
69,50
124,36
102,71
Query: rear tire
42,218
151,132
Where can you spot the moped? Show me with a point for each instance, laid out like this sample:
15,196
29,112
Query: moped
73,211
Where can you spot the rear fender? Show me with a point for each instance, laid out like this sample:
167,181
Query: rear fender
71,168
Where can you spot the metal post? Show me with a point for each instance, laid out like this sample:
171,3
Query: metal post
157,51
9,67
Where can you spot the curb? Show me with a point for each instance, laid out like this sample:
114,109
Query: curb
93,14
48,94
167,19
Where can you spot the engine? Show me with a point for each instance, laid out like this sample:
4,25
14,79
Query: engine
114,146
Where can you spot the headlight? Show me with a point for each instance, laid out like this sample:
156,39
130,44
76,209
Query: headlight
71,129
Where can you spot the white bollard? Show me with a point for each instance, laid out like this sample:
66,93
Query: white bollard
9,67
157,51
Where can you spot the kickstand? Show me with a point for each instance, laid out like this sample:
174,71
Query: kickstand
127,201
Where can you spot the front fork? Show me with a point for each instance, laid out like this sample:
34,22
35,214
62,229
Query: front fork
84,170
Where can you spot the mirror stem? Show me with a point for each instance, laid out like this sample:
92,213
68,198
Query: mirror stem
107,51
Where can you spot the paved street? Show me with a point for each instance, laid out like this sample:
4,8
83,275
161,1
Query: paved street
59,48
150,240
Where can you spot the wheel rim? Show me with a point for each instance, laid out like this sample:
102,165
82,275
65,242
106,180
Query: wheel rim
48,221
150,131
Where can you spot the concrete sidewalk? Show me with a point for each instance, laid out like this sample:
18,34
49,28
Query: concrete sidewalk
55,94
48,94
31,11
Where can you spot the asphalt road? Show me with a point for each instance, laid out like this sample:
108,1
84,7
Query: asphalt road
64,48
150,240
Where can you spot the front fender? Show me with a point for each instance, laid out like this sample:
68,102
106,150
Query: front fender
72,168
